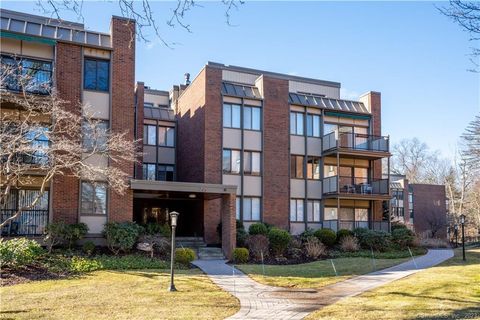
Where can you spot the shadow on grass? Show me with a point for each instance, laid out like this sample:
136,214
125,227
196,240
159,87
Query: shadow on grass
465,313
406,294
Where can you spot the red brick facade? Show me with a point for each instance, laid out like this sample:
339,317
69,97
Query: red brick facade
276,153
429,209
68,80
122,118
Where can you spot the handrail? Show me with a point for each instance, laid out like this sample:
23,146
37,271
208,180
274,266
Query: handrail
355,141
355,185
28,223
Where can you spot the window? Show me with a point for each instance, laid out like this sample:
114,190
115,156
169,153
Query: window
296,123
330,213
251,163
94,198
231,161
296,210
329,128
329,171
95,135
251,209
96,74
166,136
149,171
346,214
313,211
165,172
231,116
296,167
34,76
150,134
361,214
313,125
313,168
251,118
397,194
39,143
237,207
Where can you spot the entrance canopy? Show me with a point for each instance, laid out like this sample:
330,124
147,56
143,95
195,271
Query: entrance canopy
179,190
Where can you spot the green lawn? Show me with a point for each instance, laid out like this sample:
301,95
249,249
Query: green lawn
119,295
315,274
448,291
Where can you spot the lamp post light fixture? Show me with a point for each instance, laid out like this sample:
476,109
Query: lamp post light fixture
173,219
462,221
455,233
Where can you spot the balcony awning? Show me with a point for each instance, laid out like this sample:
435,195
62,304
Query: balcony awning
17,36
347,115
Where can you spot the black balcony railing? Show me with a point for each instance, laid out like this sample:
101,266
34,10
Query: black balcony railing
355,185
28,223
23,74
351,225
355,141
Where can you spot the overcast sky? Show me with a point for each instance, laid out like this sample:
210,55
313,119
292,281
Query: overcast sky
413,55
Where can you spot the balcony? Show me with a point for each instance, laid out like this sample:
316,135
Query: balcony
23,74
355,188
366,145
351,225
28,223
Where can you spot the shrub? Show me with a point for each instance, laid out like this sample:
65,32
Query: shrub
103,262
240,255
242,238
258,245
157,228
403,237
326,236
433,243
343,233
88,247
307,234
398,225
314,248
184,256
279,240
349,244
240,230
372,239
55,234
121,236
75,232
258,228
18,252
159,243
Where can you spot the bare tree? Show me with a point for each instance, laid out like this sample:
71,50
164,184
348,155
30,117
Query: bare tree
141,11
467,15
471,138
435,223
40,139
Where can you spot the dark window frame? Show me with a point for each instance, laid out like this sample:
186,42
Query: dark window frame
251,172
294,168
311,173
252,108
96,85
94,185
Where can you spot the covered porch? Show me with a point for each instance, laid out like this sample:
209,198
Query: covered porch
201,206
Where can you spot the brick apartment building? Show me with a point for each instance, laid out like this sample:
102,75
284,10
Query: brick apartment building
422,207
235,143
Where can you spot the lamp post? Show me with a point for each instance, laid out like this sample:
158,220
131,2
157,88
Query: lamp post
173,218
455,233
462,221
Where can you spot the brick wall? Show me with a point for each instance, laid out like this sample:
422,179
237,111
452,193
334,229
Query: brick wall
123,105
429,208
68,81
276,111
139,100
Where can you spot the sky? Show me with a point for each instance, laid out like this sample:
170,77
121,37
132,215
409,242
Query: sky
416,57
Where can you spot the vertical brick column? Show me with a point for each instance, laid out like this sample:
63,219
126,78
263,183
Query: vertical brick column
276,111
68,82
139,100
123,105
229,227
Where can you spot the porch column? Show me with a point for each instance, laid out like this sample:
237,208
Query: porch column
229,228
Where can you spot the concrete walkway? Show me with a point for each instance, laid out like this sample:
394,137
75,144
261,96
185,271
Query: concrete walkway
260,301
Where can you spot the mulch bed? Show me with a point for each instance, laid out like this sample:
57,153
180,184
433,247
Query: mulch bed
9,277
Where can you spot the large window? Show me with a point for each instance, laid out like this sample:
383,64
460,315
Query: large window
296,167
166,136
94,198
96,74
34,76
296,210
251,118
231,115
313,211
251,209
313,168
231,161
149,171
361,214
296,123
165,172
251,163
150,134
313,125
330,213
39,143
95,135
329,128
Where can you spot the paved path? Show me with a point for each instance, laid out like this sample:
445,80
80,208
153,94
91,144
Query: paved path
260,301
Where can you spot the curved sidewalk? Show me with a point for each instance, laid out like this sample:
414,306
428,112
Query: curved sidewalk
260,301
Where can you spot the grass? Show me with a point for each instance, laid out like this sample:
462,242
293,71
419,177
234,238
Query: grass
448,291
119,295
315,274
